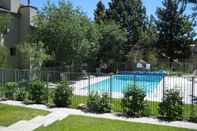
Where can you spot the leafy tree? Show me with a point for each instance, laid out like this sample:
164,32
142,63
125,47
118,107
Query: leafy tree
111,43
131,15
149,36
99,13
66,32
3,56
175,30
148,40
33,55
4,25
145,49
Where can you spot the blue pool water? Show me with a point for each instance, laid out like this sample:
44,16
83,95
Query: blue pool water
120,83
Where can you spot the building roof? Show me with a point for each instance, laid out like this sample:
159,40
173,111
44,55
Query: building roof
7,11
29,6
3,9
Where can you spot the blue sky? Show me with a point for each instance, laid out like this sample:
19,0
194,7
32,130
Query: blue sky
88,6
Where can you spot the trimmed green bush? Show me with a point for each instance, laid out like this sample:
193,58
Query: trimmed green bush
63,93
38,92
9,90
171,106
99,103
134,103
21,93
193,119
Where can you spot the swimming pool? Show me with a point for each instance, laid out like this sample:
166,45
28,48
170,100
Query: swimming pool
121,82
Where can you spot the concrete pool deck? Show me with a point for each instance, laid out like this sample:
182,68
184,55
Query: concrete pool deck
183,84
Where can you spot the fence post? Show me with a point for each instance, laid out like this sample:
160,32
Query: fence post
134,80
15,77
47,88
163,85
89,93
1,84
111,87
193,78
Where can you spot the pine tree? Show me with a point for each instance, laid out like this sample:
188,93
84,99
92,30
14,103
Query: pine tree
131,15
194,3
175,31
99,13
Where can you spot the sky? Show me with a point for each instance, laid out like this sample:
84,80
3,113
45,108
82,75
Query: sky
88,6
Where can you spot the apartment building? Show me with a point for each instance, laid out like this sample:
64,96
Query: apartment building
21,23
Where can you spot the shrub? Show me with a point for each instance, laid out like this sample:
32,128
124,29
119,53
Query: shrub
38,92
171,106
1,92
99,103
21,93
193,119
63,93
9,90
133,102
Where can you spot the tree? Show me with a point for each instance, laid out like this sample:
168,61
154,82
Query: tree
66,32
33,55
4,25
145,49
130,14
148,40
175,31
111,43
99,13
3,56
194,2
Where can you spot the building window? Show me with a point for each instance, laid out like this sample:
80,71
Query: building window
12,51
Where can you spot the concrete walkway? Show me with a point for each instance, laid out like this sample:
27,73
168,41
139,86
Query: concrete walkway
30,125
61,113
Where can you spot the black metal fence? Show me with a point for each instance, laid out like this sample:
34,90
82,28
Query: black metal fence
155,85
185,67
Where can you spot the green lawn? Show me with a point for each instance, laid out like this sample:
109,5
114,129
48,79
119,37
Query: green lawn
80,123
11,114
